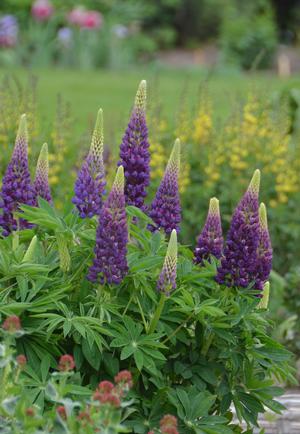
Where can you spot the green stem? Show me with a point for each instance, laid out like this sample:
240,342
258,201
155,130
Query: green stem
157,313
15,240
207,344
127,306
178,328
142,314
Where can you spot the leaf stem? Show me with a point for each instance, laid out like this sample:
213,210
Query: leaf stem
142,314
157,313
178,328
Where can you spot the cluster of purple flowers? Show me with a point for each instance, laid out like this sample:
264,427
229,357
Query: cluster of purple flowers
134,152
90,183
245,260
16,186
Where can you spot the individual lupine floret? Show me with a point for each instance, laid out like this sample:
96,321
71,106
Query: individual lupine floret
167,279
239,263
165,209
90,183
41,182
264,250
210,240
111,237
134,152
16,187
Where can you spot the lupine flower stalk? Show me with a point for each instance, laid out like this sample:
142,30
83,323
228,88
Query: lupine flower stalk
41,182
134,152
239,263
112,236
16,185
167,279
210,240
165,209
90,183
264,251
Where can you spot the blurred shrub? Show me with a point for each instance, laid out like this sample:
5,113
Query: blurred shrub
248,36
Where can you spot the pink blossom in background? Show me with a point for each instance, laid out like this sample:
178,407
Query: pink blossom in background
85,19
42,10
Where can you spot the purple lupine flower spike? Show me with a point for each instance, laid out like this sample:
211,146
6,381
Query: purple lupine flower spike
112,236
264,251
16,185
210,240
41,182
165,209
90,183
134,152
167,279
239,263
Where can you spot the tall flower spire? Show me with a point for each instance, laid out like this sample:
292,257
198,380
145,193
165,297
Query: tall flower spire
165,209
16,186
134,152
210,240
167,279
264,250
90,183
239,263
112,236
41,183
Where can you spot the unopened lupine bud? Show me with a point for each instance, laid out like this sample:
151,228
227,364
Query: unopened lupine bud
165,209
239,263
41,182
264,250
16,185
30,252
167,279
110,263
134,152
264,301
210,240
63,251
90,183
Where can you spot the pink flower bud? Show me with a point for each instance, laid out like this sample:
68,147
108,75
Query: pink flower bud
42,10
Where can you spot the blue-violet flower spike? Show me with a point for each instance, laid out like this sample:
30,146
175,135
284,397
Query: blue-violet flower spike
41,182
16,186
167,279
210,240
90,183
165,209
112,236
134,152
239,263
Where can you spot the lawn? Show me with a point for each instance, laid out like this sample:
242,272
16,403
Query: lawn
114,91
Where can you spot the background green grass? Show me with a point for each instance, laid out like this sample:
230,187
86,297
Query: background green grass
114,91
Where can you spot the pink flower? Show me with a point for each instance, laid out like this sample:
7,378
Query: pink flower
66,363
85,19
12,324
42,10
92,20
21,360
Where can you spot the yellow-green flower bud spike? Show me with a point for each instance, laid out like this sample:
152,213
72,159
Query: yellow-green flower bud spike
264,302
255,182
263,219
21,143
42,166
141,97
30,252
97,145
118,184
214,209
173,166
167,278
63,251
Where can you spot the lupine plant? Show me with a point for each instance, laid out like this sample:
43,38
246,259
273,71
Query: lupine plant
116,292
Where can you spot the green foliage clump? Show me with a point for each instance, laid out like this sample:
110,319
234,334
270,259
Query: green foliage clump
202,350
